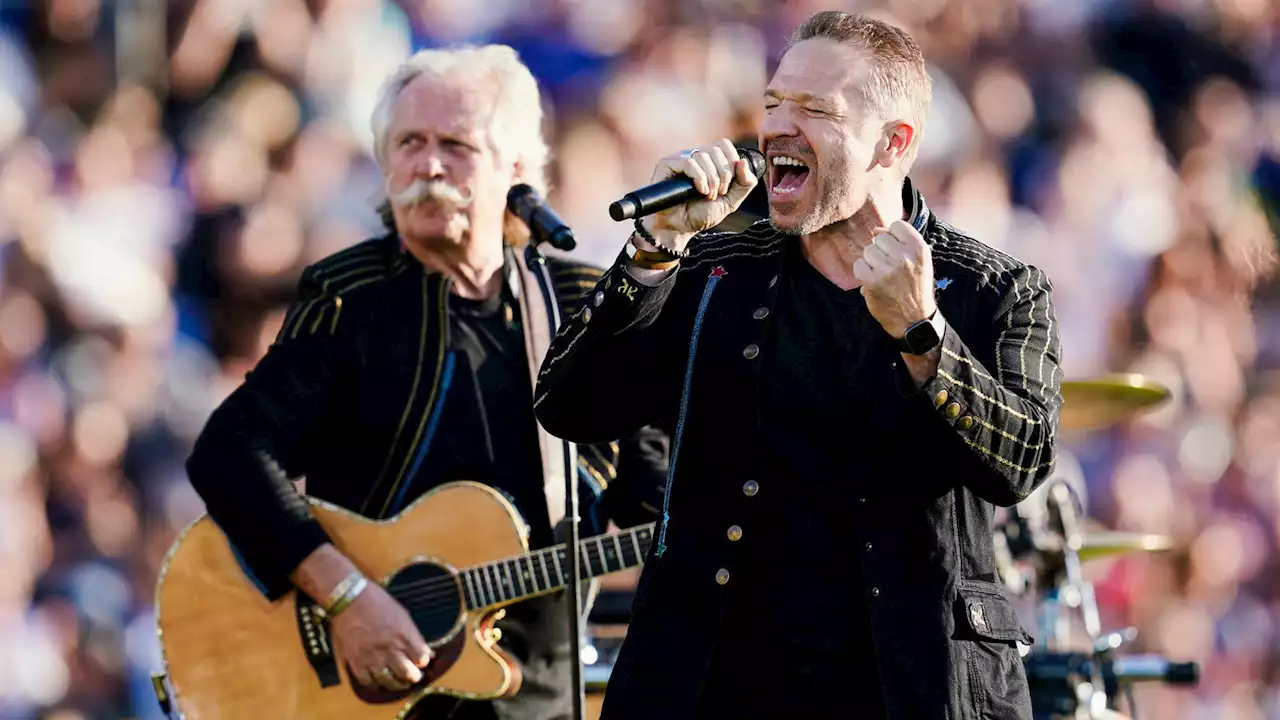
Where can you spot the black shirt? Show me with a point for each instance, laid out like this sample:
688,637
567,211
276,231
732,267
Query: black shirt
799,607
488,433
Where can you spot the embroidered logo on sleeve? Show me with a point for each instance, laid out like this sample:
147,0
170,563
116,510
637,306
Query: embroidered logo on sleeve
942,283
627,289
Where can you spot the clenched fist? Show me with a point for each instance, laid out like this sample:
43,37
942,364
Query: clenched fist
896,272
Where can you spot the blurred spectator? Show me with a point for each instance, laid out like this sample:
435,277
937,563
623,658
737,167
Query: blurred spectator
154,218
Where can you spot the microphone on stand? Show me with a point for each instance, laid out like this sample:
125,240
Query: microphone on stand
543,222
671,192
546,226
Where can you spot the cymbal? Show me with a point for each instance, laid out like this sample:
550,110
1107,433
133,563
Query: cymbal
1098,403
1105,544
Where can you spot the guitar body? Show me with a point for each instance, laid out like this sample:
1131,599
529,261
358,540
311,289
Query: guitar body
230,654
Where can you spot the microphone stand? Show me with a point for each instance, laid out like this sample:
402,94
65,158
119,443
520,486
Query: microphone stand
537,263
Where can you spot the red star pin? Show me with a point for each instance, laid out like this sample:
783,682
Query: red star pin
718,271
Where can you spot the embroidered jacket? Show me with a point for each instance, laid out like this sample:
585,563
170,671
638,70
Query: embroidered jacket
685,355
349,396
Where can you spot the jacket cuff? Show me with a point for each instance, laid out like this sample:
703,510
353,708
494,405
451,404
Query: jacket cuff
270,560
620,302
938,395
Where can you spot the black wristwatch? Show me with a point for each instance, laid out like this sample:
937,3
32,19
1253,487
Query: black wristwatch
923,336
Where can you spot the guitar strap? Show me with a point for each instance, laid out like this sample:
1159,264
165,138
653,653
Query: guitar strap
537,316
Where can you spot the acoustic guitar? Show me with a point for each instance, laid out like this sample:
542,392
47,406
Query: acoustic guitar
454,558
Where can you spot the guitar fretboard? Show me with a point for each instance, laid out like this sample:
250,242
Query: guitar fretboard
513,579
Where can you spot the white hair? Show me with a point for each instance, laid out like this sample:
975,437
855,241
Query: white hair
517,113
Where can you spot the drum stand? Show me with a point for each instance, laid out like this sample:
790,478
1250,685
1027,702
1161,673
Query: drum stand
1072,684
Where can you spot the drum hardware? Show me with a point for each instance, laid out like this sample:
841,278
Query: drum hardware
1061,686
1040,549
1083,684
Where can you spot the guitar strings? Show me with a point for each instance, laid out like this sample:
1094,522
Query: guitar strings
428,594
437,594
438,588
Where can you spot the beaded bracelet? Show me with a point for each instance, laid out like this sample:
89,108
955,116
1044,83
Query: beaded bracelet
643,232
648,259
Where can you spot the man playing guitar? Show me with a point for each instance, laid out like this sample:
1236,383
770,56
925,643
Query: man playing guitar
406,362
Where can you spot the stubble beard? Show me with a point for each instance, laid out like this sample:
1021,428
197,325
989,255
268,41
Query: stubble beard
822,213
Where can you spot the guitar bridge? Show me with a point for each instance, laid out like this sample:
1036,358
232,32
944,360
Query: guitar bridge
313,630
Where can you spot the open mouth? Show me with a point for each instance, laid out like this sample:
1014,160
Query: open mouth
789,174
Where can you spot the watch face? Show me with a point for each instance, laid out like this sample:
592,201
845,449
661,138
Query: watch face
922,337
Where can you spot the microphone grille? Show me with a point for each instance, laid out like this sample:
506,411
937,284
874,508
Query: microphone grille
517,196
756,159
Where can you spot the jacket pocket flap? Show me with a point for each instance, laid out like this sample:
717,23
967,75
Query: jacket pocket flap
989,614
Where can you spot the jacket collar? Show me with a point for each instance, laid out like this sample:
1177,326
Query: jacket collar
915,208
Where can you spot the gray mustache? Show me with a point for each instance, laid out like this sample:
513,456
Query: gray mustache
421,191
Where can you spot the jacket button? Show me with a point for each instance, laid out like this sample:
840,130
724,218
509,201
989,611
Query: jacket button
586,315
862,500
734,533
751,351
760,313
953,411
599,298
722,576
773,282
965,423
875,592
868,547
938,400
750,488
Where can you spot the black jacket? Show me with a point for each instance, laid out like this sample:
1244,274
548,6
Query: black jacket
685,355
345,397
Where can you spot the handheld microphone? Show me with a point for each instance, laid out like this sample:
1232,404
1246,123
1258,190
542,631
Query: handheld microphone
544,224
672,192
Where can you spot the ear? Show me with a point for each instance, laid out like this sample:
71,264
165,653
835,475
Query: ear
894,143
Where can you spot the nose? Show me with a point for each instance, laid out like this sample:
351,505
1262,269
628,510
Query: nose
777,123
430,164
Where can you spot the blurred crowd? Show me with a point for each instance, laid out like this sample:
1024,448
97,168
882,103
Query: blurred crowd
167,167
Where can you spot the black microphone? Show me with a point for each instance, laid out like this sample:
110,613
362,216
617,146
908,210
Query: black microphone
671,192
544,224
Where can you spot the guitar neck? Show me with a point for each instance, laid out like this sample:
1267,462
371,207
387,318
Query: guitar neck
503,582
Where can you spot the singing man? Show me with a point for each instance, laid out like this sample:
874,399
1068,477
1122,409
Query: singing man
408,361
853,385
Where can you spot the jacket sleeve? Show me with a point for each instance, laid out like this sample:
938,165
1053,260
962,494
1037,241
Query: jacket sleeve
1002,420
635,495
251,447
615,364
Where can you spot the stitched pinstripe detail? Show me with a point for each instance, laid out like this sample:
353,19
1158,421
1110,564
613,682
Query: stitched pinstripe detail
1003,461
961,384
432,424
435,396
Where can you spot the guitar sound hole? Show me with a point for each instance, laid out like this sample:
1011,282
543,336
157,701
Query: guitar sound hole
433,597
